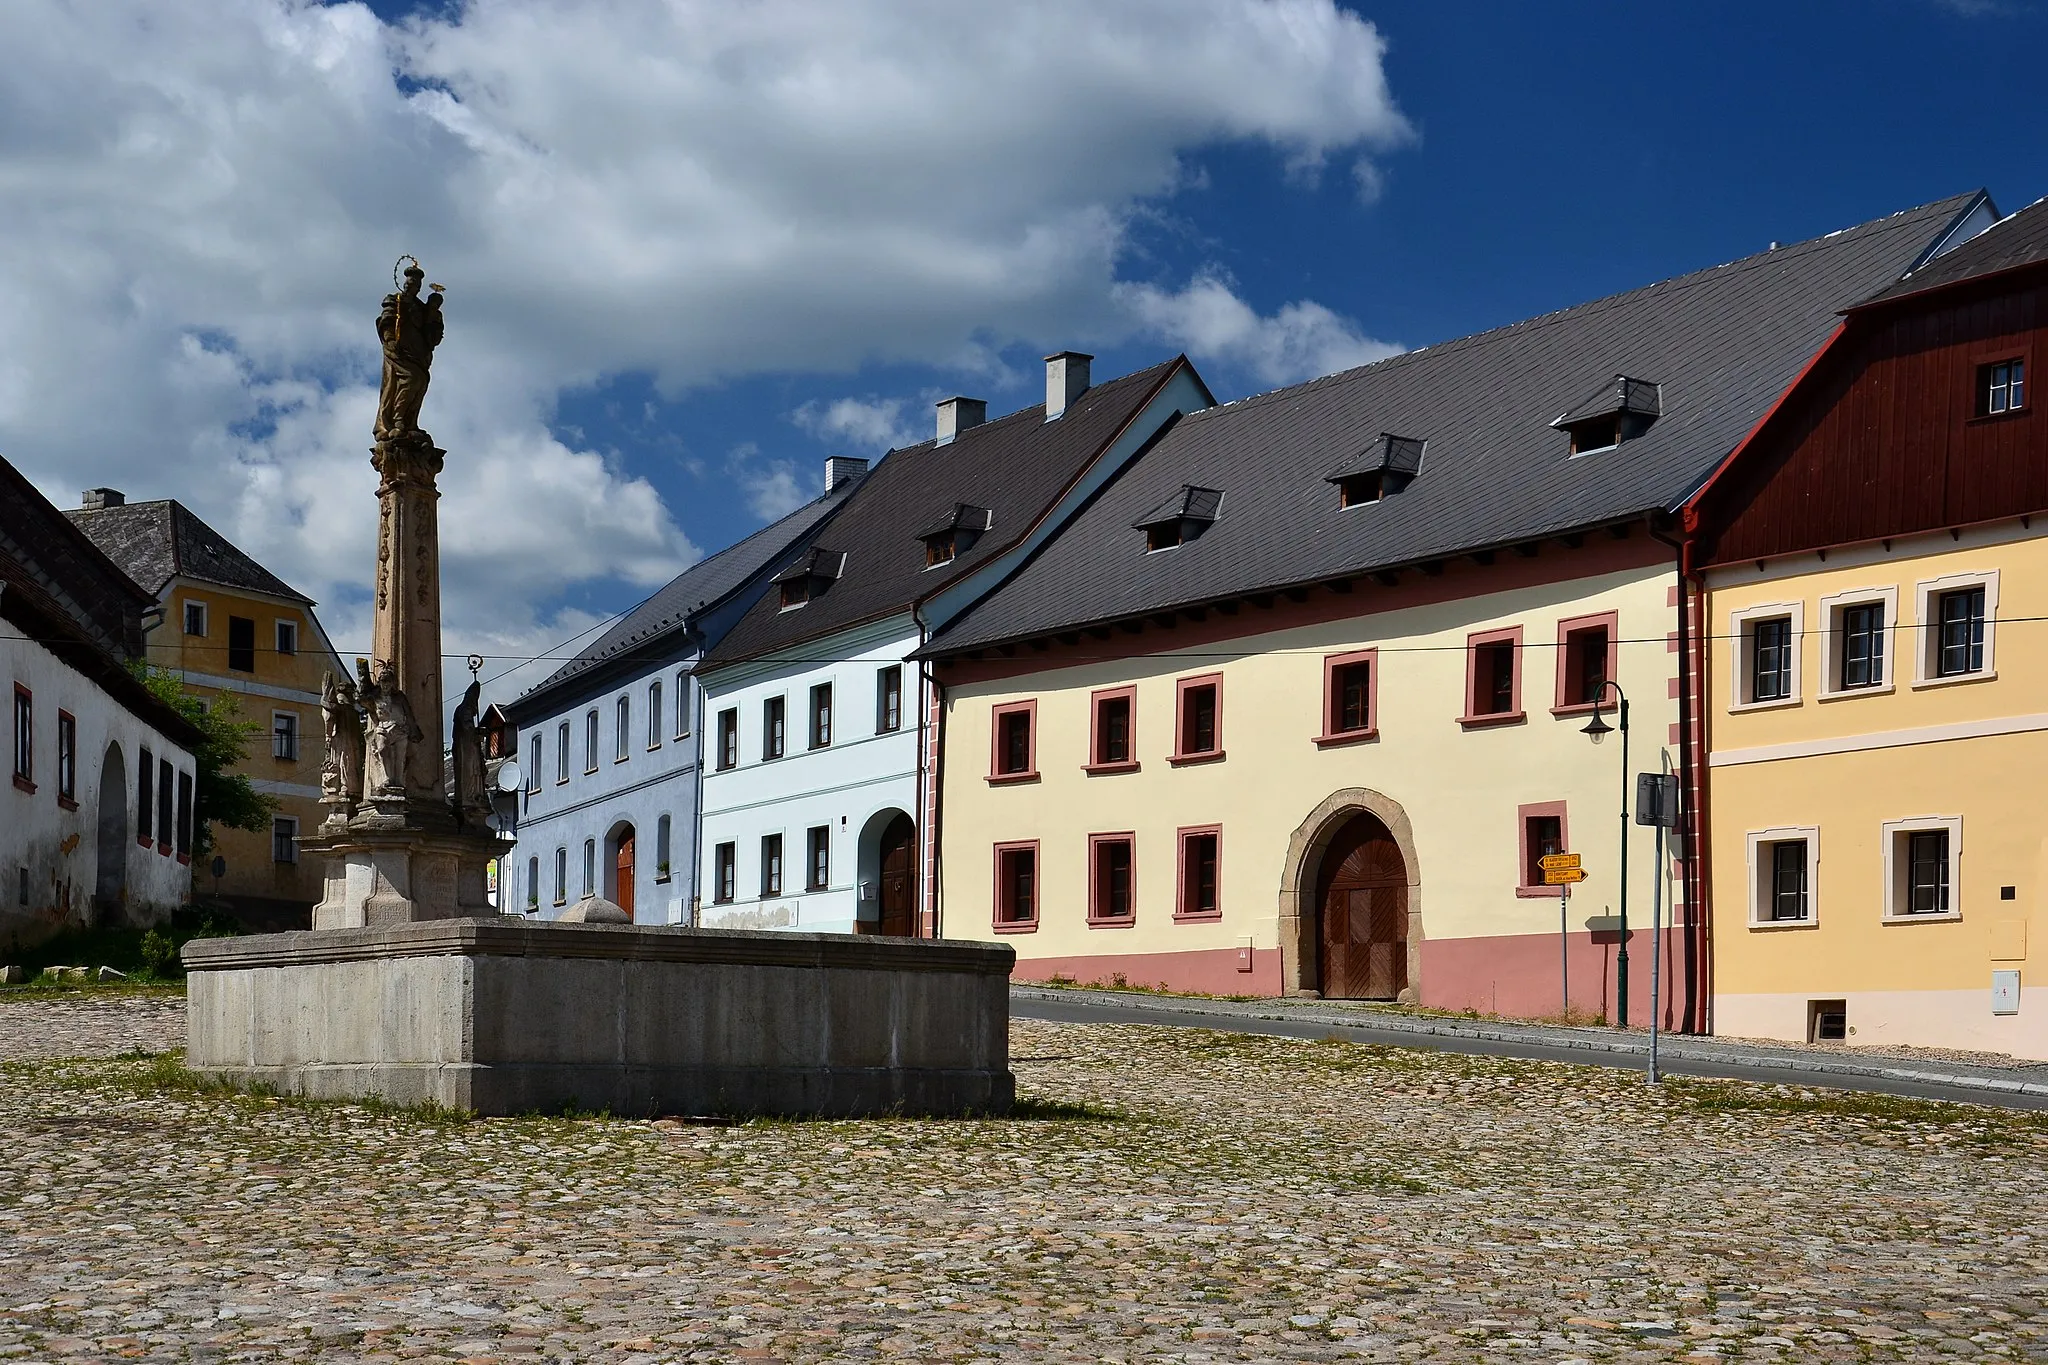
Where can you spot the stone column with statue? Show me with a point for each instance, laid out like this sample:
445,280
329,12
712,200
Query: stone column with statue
395,841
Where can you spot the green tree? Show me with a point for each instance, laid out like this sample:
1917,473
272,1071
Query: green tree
220,795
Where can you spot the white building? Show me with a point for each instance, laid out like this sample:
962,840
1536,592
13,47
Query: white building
96,821
611,742
819,739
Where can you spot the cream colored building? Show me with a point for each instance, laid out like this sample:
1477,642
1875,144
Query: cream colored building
1297,703
231,627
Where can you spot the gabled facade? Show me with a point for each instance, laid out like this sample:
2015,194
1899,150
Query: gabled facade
1299,703
230,627
819,726
1875,560
96,818
613,741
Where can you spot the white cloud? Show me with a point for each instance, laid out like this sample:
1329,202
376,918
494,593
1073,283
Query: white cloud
1209,321
770,486
871,423
203,203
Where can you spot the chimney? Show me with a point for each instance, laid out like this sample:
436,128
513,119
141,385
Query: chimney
958,414
1066,378
841,469
100,499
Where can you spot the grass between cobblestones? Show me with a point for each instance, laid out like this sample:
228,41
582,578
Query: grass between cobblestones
1162,1195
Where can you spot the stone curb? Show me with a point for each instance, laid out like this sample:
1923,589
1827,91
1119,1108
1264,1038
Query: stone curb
1677,1047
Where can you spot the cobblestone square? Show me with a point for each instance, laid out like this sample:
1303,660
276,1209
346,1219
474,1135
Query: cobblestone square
1166,1195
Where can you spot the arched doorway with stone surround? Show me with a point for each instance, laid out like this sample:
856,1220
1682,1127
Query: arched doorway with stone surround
1354,819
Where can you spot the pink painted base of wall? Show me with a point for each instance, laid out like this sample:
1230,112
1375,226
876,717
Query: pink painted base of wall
1211,972
1517,976
1514,976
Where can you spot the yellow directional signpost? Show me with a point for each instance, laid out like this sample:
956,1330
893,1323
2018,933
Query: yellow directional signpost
1563,870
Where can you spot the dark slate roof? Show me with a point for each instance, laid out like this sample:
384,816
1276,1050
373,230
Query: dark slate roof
63,592
2012,242
669,610
158,541
1723,343
1016,466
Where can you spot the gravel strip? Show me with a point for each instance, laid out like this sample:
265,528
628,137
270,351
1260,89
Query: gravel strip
1172,1195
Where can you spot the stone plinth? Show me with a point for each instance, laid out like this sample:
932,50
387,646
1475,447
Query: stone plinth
397,876
506,1016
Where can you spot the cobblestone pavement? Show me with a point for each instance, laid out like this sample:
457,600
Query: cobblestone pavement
1170,1195
89,1023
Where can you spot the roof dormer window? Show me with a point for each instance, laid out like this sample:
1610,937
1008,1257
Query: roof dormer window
1617,411
954,533
1386,467
813,572
1181,518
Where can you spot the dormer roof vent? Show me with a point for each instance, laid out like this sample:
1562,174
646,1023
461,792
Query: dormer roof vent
815,570
1387,466
1180,518
945,539
1617,411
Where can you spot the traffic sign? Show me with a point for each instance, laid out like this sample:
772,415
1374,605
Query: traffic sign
1563,876
1558,862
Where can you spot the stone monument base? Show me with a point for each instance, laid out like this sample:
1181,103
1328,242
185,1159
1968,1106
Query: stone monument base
503,1016
400,876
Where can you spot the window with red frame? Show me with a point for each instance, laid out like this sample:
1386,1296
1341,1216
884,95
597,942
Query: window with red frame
67,758
1113,729
1351,698
1111,895
1493,678
1017,884
1585,665
1198,873
1542,835
1013,743
1198,718
24,738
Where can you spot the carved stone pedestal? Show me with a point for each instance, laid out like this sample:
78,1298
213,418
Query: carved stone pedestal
400,876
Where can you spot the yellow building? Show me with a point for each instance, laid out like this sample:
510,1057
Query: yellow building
1297,704
230,626
1877,587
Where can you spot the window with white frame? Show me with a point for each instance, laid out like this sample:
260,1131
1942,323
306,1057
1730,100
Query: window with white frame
622,745
664,840
771,864
195,618
532,884
562,752
682,705
284,735
724,873
561,876
287,637
590,867
1958,627
1922,865
1856,630
24,738
1766,640
654,714
590,740
533,767
1784,867
284,839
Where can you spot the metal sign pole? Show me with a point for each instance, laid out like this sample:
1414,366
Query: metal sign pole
1656,948
1564,949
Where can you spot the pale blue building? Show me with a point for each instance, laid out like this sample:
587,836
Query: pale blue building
609,745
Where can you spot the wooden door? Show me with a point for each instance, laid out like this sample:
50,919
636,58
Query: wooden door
623,882
898,890
1363,913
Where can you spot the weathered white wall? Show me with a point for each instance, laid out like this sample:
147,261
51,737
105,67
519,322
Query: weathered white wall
49,855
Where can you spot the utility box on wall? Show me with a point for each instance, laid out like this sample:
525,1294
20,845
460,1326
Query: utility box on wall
2005,992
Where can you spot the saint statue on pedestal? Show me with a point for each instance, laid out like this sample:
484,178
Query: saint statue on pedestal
392,733
410,329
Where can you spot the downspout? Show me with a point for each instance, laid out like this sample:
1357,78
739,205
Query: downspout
938,793
1698,939
696,705
927,823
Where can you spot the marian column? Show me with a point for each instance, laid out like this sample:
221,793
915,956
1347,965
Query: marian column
397,847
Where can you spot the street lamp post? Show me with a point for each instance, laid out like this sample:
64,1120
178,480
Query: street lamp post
1599,729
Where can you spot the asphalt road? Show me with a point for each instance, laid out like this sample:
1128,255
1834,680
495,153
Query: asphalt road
1138,1012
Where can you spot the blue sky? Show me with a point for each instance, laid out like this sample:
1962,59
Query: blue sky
1562,152
693,249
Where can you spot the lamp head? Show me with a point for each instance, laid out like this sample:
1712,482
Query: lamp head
1597,728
